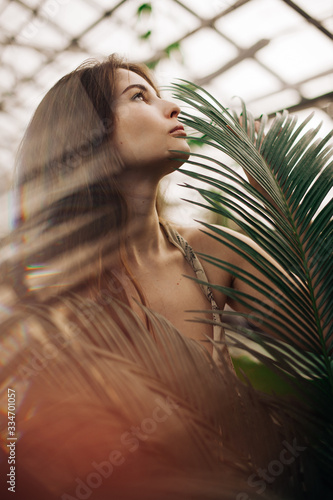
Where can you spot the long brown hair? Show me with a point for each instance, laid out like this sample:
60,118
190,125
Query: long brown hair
67,167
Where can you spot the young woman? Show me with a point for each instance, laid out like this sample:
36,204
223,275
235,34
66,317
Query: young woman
88,173
89,169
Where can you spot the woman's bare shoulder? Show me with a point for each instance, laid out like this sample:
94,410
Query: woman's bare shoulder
192,234
202,239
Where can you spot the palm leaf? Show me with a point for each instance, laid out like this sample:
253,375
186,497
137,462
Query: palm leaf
289,217
297,175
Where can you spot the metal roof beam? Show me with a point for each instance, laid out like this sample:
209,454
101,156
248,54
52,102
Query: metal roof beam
320,101
244,54
204,23
309,18
233,7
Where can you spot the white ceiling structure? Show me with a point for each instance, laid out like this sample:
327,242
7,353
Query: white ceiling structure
274,54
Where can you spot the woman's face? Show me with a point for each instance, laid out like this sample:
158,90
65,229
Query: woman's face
146,127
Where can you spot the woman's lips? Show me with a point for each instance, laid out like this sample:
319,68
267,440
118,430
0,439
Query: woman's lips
179,130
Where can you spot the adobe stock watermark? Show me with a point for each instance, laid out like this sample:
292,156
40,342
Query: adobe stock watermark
263,477
94,138
48,10
131,440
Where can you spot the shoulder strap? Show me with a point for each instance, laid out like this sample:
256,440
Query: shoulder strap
176,239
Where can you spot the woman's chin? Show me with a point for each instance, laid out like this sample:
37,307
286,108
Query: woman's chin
182,154
178,159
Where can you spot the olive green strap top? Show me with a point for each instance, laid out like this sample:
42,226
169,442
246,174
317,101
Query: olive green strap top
176,239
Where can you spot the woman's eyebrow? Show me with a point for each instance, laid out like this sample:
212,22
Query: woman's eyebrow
139,86
135,85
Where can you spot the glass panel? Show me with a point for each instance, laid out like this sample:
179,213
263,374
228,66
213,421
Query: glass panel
206,51
13,17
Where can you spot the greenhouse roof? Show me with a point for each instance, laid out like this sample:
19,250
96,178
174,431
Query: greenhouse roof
274,54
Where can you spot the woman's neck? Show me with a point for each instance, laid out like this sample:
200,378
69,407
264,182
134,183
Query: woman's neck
143,237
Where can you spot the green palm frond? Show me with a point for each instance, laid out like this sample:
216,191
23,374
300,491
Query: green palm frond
289,216
295,228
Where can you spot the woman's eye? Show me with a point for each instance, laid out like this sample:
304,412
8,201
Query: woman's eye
139,96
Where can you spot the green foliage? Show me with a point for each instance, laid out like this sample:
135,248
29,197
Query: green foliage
260,376
287,211
145,8
195,142
172,48
146,35
294,227
152,64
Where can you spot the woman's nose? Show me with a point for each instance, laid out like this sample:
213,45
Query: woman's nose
172,109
